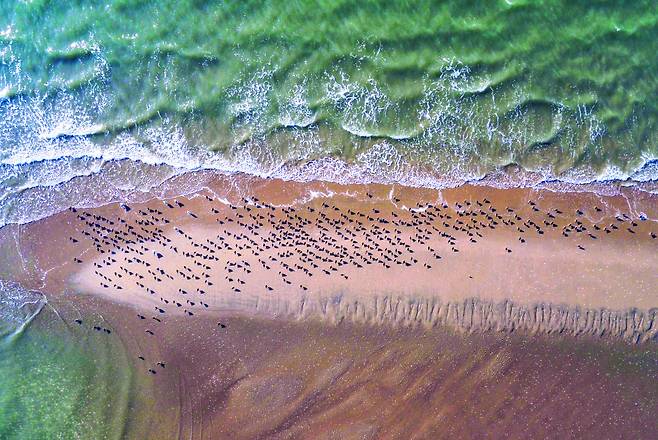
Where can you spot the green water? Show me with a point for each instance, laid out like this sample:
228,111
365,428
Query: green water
421,92
59,383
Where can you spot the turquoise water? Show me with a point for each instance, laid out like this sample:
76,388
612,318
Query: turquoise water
56,382
415,92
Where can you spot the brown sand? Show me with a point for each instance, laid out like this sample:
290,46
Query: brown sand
578,263
274,378
509,259
615,271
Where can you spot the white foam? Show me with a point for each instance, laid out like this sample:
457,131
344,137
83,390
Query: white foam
295,111
64,129
47,140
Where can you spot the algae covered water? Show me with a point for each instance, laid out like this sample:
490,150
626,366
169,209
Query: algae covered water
422,93
56,382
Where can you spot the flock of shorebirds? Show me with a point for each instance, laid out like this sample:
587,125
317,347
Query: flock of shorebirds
297,243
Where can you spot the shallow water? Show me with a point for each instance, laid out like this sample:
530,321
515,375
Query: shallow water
407,92
55,380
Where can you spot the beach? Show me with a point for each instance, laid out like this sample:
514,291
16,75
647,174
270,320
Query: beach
279,220
613,270
210,294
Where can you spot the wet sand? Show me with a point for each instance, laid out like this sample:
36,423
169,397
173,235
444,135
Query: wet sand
474,258
274,378
216,285
615,270
380,246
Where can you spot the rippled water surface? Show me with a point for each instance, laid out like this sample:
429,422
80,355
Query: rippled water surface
410,92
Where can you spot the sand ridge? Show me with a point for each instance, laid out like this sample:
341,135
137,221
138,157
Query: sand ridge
469,249
583,272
